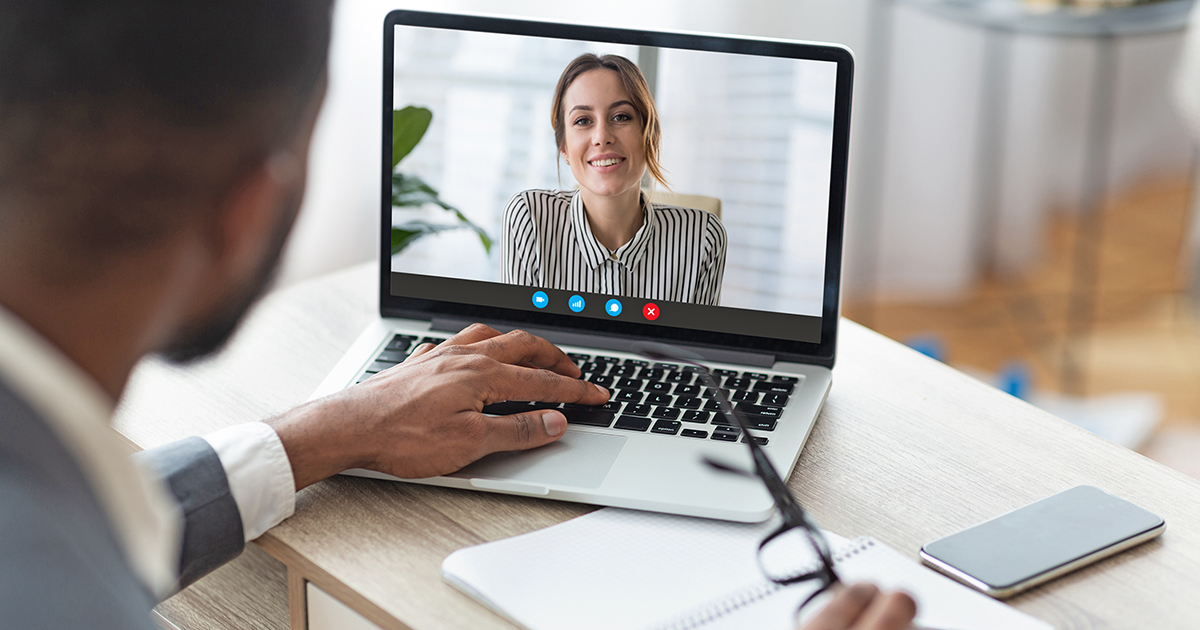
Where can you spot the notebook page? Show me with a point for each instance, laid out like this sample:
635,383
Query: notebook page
612,568
628,569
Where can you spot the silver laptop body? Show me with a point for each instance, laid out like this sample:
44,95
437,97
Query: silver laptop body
761,329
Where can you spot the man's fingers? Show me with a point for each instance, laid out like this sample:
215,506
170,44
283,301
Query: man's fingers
842,611
521,348
893,611
523,430
472,334
420,350
522,383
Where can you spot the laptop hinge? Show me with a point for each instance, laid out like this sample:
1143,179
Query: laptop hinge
620,344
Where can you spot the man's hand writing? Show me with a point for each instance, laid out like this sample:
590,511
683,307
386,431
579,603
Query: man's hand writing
423,417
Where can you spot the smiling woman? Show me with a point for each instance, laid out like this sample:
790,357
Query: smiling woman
607,237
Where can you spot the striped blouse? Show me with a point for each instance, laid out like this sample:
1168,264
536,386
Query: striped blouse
678,255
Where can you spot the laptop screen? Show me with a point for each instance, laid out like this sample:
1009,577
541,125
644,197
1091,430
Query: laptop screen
662,185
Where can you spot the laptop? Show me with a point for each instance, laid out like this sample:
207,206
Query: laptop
753,144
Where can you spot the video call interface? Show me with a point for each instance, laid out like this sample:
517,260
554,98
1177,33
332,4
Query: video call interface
716,223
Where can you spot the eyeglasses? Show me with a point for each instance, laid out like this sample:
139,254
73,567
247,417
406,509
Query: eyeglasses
795,552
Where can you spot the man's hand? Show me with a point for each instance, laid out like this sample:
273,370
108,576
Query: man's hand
863,607
423,417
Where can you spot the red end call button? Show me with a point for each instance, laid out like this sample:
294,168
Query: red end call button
650,311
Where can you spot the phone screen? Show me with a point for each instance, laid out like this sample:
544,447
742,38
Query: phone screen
1042,539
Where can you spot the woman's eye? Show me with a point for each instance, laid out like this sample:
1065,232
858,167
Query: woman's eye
581,121
622,117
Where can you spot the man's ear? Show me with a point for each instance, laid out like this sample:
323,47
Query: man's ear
249,214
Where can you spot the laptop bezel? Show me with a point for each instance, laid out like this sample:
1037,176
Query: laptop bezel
820,353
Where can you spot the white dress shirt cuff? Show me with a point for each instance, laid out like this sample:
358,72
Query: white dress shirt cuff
259,474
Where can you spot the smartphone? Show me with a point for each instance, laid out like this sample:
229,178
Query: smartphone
1041,541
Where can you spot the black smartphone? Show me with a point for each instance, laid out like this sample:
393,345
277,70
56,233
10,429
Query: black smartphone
1041,541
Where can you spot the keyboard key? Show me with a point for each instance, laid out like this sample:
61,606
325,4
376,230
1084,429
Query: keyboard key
693,433
694,368
380,366
756,376
780,400
602,381
594,367
737,383
742,395
629,395
623,369
775,388
757,423
769,411
604,359
507,408
401,343
669,413
630,423
658,387
666,367
666,427
629,383
589,417
659,399
433,340
579,358
687,390
611,405
653,374
727,430
779,378
715,405
754,422
393,356
725,437
710,393
725,373
688,403
696,416
679,377
635,362
761,441
642,410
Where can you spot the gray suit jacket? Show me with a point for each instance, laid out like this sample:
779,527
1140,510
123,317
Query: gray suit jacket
61,566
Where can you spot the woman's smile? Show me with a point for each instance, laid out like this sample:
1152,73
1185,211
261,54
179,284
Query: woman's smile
606,163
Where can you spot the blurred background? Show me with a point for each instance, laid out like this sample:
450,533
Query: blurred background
1020,200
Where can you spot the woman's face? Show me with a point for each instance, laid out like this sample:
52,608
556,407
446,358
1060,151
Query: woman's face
603,140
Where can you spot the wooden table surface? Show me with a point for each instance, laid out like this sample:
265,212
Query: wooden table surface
906,450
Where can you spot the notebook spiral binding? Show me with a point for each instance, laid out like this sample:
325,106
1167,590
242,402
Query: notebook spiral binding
745,597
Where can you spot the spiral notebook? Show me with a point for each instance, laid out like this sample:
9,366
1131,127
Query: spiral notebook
618,568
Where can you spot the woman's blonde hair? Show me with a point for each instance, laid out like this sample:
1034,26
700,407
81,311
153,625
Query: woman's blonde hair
639,93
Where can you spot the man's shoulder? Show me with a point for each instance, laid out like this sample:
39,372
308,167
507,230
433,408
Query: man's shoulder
55,572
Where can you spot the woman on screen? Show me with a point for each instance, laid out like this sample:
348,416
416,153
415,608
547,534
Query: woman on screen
607,237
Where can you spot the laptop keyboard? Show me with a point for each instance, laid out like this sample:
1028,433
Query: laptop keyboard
647,396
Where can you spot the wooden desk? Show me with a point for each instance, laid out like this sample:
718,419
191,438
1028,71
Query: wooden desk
906,449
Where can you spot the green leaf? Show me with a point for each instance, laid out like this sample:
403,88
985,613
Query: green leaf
408,233
410,191
408,127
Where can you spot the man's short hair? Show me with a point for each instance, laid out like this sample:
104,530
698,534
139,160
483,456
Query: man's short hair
117,114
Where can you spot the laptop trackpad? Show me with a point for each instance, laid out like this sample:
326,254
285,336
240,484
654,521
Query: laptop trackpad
579,459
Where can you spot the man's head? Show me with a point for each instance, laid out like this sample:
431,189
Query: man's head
126,123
